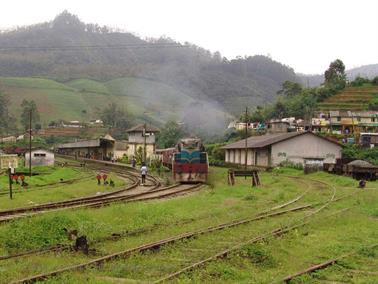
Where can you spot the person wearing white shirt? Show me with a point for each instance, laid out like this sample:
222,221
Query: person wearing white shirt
143,172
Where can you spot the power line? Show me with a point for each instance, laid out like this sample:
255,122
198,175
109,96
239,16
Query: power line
80,47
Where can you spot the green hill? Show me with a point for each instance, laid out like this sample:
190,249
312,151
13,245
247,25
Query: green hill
82,99
67,49
352,98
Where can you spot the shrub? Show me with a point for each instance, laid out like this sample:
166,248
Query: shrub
292,165
359,81
374,81
258,255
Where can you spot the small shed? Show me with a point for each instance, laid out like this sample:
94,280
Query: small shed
40,157
360,169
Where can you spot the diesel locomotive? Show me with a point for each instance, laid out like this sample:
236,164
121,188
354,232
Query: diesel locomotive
188,161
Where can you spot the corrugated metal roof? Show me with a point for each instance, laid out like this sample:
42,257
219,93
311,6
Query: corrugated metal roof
140,127
269,139
361,164
81,144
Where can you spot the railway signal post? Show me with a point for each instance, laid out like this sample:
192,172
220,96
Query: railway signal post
10,172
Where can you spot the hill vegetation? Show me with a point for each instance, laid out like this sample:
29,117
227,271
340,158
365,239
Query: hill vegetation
367,71
336,93
352,98
141,100
66,49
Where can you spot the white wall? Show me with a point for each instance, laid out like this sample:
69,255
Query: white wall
306,145
47,160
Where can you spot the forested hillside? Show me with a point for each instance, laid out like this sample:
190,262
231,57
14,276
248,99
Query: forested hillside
66,49
367,71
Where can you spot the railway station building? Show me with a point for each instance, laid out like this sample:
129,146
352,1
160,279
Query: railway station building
272,149
140,134
99,149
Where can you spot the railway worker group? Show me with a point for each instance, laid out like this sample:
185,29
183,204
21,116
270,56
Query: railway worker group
104,177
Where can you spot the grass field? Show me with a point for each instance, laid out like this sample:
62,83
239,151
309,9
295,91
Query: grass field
47,187
328,234
140,97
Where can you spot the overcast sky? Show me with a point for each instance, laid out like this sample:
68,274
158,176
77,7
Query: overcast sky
304,34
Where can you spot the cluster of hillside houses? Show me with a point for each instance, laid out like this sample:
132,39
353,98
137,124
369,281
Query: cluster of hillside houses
336,122
278,141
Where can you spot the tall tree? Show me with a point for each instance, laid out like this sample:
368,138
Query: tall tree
290,89
117,119
7,123
27,107
334,76
170,134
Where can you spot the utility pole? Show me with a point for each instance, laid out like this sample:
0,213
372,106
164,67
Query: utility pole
10,182
246,137
30,141
144,146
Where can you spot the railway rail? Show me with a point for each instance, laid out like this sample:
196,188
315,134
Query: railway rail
149,246
134,192
262,215
238,222
323,265
276,232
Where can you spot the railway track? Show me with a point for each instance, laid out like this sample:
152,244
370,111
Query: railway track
170,240
260,216
134,192
279,231
324,264
276,232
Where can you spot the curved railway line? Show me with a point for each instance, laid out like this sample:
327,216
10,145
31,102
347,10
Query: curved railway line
149,246
133,192
259,216
157,192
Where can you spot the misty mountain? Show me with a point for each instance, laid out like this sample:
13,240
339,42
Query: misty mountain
368,71
66,49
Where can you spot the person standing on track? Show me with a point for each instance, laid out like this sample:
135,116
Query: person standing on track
143,172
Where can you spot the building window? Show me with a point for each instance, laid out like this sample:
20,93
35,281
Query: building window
373,119
39,155
358,118
339,118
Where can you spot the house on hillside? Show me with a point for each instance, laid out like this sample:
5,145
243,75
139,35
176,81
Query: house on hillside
353,121
140,135
271,149
40,157
8,139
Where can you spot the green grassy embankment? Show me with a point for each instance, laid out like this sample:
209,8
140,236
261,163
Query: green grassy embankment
264,262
